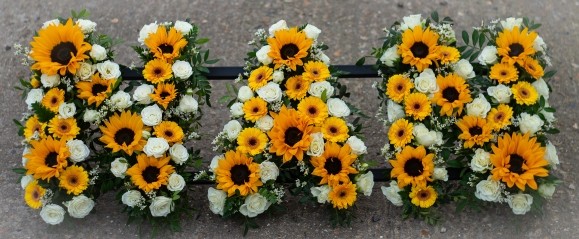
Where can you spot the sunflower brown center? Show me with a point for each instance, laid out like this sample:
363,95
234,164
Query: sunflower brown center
124,136
450,94
151,174
50,159
98,88
166,48
419,50
476,130
168,133
333,165
240,174
312,110
252,142
423,194
292,136
413,167
63,52
289,50
516,163
164,94
516,49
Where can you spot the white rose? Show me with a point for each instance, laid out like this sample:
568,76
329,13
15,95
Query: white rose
312,31
549,116
121,100
501,93
66,110
426,82
232,129
141,95
409,22
390,56
511,22
182,69
254,205
80,206
270,92
338,108
440,174
79,151
530,123
264,123
132,198
488,190
188,104
481,161
551,155
357,145
119,167
478,107
86,26
316,148
280,25
392,194
175,183
216,200
488,56
395,111
109,70
277,76
85,71
25,180
156,147
52,214
98,53
215,162
34,95
317,89
262,55
365,183
321,193
324,58
520,203
151,115
161,206
546,190
236,109
90,116
183,27
179,153
539,44
53,22
542,88
268,171
464,69
426,137
244,94
49,81
146,30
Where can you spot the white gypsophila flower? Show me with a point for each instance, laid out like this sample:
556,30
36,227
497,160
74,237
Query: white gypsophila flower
215,162
542,88
182,69
175,183
254,205
25,180
488,190
86,26
511,22
337,107
183,27
426,137
161,206
236,109
551,155
80,206
49,81
52,214
142,94
152,115
132,198
268,171
357,145
79,151
244,94
265,123
318,88
440,174
53,22
119,167
66,110
156,147
546,190
98,53
216,200
394,111
188,104
277,76
501,93
392,194
324,58
321,193
539,44
179,154
390,56
316,148
109,70
85,71
262,55
529,123
90,116
464,69
520,203
280,25
232,129
365,183
426,82
481,161
409,22
488,56
146,30
478,107
312,31
270,92
34,96
121,100
25,151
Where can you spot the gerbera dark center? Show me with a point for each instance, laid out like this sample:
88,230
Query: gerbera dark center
50,159
504,73
450,94
524,92
423,194
289,50
400,87
499,116
124,136
166,48
419,50
255,110
164,94
333,166
312,110
63,127
343,194
400,133
169,133
157,71
315,72
293,135
53,100
98,88
252,142
333,130
240,174
63,52
516,49
259,78
35,195
476,130
413,167
516,163
151,174
417,106
73,180
298,86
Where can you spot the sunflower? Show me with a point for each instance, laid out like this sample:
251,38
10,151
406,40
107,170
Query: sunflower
335,129
525,93
343,196
166,45
96,90
164,93
514,45
33,194
533,67
500,117
517,160
53,98
237,173
157,71
417,105
59,48
315,71
47,158
259,77
74,180
453,94
290,135
423,197
314,108
65,129
254,109
398,87
34,127
288,47
123,132
504,73
475,130
251,141
418,47
400,133
449,54
170,131
150,173
412,166
297,87
335,164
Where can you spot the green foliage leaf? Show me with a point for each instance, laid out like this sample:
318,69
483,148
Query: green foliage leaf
465,37
43,113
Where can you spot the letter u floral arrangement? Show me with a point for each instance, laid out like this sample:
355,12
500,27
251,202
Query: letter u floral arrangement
479,109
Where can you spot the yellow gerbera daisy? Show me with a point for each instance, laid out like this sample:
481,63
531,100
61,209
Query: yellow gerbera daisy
290,135
419,48
449,54
417,105
315,71
47,158
423,197
343,196
35,83
259,77
96,90
335,165
400,133
335,129
314,108
500,117
123,132
33,127
74,180
150,173
65,129
412,166
170,131
52,99
254,109
475,130
237,173
297,87
533,67
251,141
164,93
157,71
453,93
504,73
288,47
33,194
165,45
514,45
398,87
524,93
